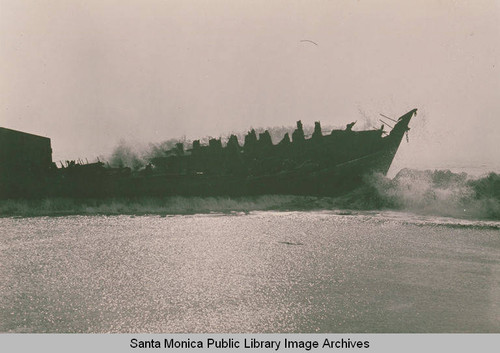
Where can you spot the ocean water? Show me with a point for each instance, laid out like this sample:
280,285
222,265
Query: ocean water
417,253
312,271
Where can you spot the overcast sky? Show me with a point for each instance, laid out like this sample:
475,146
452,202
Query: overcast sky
90,73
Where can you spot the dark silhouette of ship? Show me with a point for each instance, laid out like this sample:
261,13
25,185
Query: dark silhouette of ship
324,164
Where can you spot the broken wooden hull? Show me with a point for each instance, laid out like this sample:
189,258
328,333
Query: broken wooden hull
329,165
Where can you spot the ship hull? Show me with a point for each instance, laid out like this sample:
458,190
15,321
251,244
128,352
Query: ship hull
330,165
308,180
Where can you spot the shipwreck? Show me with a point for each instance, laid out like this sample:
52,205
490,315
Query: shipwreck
322,164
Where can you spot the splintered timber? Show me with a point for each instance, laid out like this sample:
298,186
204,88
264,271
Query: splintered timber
252,343
324,164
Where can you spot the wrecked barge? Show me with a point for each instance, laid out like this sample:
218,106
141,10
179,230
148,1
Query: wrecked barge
324,164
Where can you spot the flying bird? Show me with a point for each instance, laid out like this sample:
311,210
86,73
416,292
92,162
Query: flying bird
310,41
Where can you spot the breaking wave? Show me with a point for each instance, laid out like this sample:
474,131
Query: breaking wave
438,193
